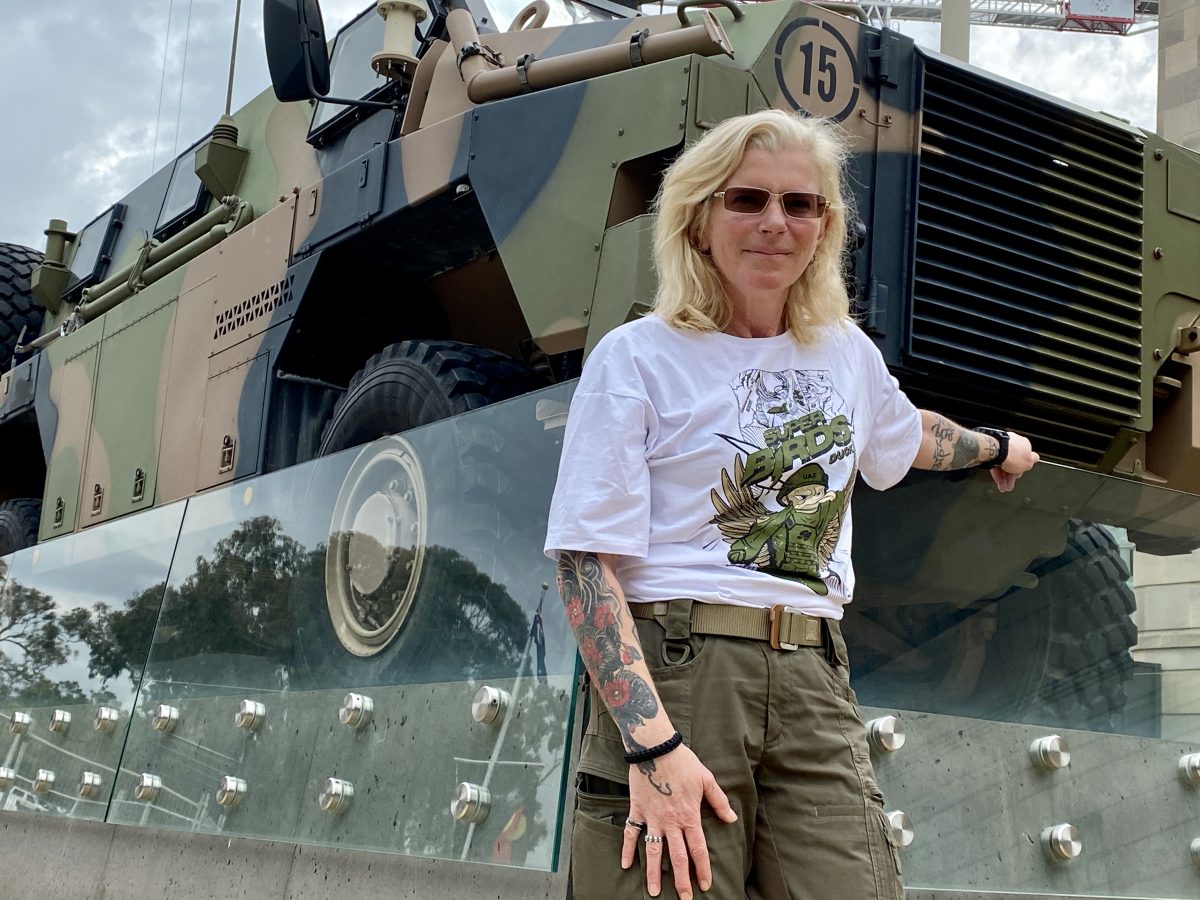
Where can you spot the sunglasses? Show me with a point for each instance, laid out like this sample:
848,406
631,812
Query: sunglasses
751,201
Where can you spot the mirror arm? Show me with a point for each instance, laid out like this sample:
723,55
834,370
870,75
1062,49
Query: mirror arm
325,98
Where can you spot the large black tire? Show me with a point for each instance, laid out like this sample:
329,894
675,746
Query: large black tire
417,382
1088,663
19,524
17,309
1056,653
434,598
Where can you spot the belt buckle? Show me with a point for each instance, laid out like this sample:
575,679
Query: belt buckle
776,619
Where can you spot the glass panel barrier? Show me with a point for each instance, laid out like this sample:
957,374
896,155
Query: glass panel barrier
1067,610
76,616
324,635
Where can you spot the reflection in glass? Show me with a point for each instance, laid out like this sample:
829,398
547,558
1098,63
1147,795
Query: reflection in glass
1022,608
71,657
183,192
410,571
93,246
350,71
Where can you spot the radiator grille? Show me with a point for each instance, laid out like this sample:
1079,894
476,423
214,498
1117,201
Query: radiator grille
1027,278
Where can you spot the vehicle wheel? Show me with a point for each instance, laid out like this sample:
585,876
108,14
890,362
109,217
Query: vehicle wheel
1056,653
417,382
17,309
1088,663
19,524
423,516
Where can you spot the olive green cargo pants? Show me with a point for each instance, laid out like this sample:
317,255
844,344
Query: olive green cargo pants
782,734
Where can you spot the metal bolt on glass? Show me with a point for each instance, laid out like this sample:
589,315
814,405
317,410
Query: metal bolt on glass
336,795
106,719
231,791
902,828
490,705
356,710
1194,849
60,721
1050,752
43,781
20,722
89,784
885,734
250,715
166,717
1189,767
470,803
7,777
147,787
1062,843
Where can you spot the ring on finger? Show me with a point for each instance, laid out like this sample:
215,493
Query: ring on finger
652,838
634,823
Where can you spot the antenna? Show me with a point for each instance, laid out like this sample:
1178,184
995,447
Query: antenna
161,85
237,19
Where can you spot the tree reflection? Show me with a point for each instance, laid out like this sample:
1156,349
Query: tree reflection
259,593
234,602
252,614
34,637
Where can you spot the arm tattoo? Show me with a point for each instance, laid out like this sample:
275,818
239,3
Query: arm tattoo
955,447
966,450
595,613
942,430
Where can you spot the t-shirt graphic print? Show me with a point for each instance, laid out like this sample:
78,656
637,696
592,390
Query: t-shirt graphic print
775,507
720,468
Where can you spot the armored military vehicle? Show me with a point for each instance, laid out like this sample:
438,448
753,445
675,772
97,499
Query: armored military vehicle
281,427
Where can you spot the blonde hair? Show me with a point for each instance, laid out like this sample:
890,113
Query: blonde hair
690,293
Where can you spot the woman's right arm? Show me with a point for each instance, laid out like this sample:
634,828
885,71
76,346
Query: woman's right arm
666,792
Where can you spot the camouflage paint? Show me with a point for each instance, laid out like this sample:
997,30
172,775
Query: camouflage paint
129,398
1171,300
534,191
542,169
66,386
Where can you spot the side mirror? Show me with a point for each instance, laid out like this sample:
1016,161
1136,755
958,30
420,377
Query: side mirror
296,51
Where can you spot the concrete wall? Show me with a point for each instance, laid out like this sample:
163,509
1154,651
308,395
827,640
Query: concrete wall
54,858
1168,623
1179,72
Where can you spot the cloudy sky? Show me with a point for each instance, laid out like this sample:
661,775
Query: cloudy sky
93,110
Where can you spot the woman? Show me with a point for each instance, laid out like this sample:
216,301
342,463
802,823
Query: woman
702,526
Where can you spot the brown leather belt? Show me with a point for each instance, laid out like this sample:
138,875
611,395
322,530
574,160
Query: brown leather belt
783,627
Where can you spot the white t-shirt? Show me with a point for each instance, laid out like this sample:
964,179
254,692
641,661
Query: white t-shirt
721,468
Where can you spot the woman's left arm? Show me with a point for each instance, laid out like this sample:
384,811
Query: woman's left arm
946,445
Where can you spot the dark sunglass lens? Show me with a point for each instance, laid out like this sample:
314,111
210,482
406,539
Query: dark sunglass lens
746,200
801,205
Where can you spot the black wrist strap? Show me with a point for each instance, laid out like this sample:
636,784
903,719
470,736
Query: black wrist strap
641,756
1001,454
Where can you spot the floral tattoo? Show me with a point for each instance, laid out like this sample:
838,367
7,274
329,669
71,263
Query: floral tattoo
594,612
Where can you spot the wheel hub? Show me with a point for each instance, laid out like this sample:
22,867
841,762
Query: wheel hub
376,546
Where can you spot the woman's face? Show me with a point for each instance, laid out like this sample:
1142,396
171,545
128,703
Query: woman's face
760,256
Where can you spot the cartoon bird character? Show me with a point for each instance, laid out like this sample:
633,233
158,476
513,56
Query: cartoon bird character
795,542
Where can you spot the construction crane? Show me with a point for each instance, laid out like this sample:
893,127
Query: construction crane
1096,16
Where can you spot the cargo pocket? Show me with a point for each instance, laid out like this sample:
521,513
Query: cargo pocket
596,840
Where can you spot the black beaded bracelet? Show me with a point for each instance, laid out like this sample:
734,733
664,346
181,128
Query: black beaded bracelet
641,756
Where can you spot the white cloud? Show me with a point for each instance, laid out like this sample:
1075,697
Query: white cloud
1115,74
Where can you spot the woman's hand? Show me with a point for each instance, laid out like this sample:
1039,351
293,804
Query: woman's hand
666,794
1020,460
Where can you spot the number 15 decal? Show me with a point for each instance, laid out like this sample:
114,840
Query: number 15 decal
827,83
816,69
